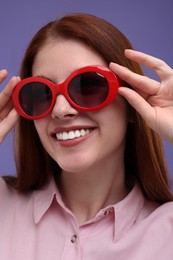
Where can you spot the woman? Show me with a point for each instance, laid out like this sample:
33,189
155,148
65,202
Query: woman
91,180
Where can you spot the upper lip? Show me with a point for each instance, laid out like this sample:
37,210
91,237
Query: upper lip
71,128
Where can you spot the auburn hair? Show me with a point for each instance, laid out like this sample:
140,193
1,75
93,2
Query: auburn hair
143,152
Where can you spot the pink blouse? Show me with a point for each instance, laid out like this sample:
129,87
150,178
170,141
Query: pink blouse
38,226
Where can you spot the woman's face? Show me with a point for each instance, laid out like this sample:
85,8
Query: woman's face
100,135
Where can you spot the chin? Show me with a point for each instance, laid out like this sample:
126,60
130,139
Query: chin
76,162
75,167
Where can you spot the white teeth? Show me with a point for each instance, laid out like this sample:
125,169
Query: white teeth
77,133
61,136
64,136
72,134
82,132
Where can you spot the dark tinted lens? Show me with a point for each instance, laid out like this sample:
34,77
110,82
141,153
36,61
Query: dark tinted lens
35,98
89,89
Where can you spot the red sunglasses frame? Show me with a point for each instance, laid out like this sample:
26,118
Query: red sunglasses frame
62,88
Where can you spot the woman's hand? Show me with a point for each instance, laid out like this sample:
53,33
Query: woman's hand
8,115
152,99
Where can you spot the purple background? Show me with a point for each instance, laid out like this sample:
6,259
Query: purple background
148,24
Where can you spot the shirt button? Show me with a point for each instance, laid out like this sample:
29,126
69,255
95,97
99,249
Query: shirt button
74,239
107,212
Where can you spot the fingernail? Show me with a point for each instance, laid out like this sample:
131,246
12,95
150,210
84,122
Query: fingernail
3,72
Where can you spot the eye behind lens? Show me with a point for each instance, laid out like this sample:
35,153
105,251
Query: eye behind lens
89,89
35,98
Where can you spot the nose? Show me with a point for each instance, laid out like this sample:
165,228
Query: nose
63,109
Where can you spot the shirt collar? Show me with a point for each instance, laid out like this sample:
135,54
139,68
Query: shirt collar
126,212
43,199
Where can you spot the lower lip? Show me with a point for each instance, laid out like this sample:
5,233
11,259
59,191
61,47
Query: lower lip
75,141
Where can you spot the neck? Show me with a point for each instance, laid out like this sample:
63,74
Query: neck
87,192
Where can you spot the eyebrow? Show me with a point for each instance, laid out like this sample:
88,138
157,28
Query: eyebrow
45,77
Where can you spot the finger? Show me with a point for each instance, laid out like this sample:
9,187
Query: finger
8,123
155,64
140,82
6,110
3,75
6,93
139,104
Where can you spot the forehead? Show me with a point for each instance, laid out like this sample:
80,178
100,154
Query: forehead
65,54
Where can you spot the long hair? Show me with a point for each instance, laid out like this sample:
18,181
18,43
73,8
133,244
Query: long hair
143,152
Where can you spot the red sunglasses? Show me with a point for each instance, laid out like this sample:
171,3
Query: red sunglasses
89,88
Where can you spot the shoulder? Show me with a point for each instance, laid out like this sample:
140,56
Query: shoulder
164,211
158,220
4,188
9,196
152,213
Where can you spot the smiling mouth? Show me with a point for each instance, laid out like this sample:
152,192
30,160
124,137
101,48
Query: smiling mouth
72,134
